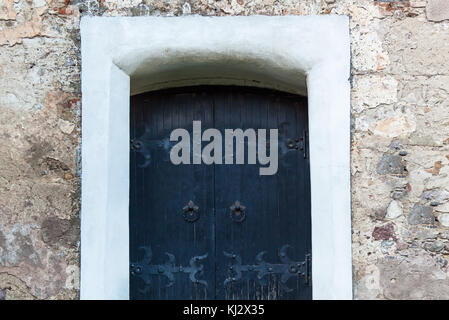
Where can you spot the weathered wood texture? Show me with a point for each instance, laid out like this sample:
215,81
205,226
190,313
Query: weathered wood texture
277,207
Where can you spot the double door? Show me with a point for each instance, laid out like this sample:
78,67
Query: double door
219,231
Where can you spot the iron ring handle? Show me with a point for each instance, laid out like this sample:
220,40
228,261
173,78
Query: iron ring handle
237,213
191,213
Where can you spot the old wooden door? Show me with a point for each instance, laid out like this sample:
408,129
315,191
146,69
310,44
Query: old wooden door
219,231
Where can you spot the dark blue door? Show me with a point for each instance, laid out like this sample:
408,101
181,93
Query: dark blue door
219,231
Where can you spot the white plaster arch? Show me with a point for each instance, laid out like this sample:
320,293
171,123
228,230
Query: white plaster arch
128,55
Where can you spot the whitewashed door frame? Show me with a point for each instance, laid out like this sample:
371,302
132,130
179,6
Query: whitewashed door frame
125,55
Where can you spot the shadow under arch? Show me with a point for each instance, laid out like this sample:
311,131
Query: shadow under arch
243,68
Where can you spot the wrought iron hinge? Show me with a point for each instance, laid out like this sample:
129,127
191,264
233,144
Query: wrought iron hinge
135,145
305,141
285,270
144,270
308,274
139,147
299,143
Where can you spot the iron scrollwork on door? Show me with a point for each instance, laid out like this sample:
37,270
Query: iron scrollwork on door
298,143
145,147
144,269
140,147
286,270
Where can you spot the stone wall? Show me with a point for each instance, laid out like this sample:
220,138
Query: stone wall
400,138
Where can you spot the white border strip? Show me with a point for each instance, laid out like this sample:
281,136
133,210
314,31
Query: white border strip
271,50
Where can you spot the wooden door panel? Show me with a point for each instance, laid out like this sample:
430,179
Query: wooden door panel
160,192
259,257
277,219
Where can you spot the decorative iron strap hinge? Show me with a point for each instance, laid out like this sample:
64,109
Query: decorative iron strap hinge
305,140
299,143
139,147
144,270
286,270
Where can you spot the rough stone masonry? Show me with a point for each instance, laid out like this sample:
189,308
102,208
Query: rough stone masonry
400,138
